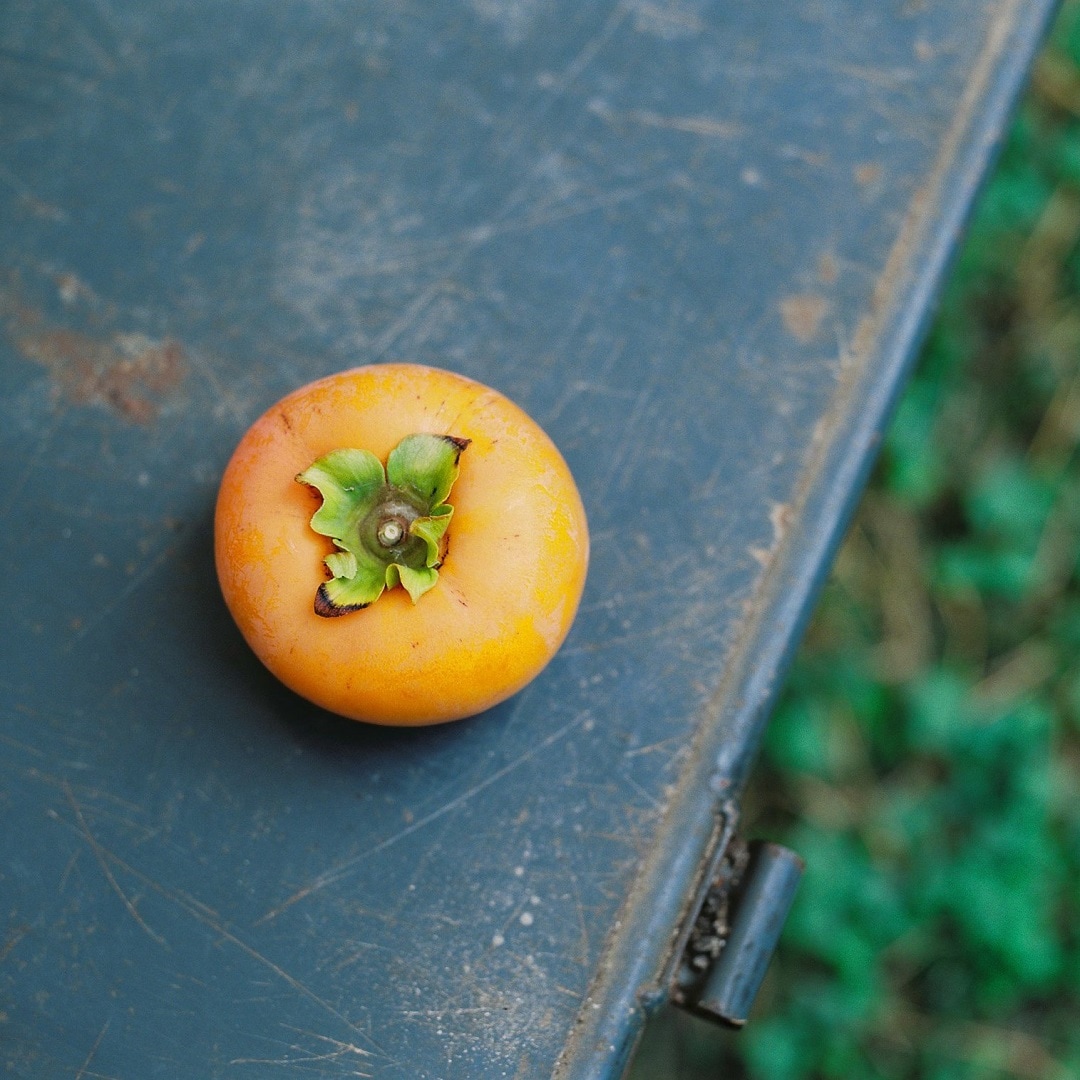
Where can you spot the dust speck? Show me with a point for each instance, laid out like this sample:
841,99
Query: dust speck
780,515
70,288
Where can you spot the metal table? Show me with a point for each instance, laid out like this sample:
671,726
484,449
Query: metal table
696,241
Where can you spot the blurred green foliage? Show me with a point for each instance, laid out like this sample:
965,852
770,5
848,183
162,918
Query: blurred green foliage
925,758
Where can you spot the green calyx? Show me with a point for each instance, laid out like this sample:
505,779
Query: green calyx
388,525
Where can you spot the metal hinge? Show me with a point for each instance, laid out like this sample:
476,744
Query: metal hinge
736,930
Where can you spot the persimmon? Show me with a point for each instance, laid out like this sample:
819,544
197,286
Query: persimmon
400,544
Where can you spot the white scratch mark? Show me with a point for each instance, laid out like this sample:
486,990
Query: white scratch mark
93,1051
27,195
301,1056
514,17
342,870
42,445
90,46
195,909
652,748
691,621
692,125
631,435
101,853
201,913
222,392
647,796
69,870
503,222
476,237
577,67
585,944
886,78
26,748
477,1010
669,21
121,595
706,126
9,946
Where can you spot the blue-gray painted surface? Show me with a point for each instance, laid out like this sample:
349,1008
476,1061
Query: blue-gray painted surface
695,241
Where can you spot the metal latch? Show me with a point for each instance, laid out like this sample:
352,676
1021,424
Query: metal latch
736,930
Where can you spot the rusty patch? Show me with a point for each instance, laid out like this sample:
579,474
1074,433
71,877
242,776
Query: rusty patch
828,268
867,173
129,373
803,314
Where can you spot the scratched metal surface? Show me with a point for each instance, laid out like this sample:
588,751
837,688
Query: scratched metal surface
696,241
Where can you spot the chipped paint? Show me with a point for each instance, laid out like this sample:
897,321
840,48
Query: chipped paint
803,314
128,373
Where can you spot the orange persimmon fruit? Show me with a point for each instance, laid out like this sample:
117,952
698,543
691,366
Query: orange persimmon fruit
400,545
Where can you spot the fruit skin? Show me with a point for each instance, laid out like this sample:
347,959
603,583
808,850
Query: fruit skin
509,587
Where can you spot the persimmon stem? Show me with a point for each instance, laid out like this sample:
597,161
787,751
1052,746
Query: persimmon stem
390,532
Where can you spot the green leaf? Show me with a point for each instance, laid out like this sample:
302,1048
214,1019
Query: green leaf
415,582
938,708
348,481
1009,500
431,530
341,595
966,567
342,564
425,466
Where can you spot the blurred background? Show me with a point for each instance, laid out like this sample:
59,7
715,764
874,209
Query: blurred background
925,759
